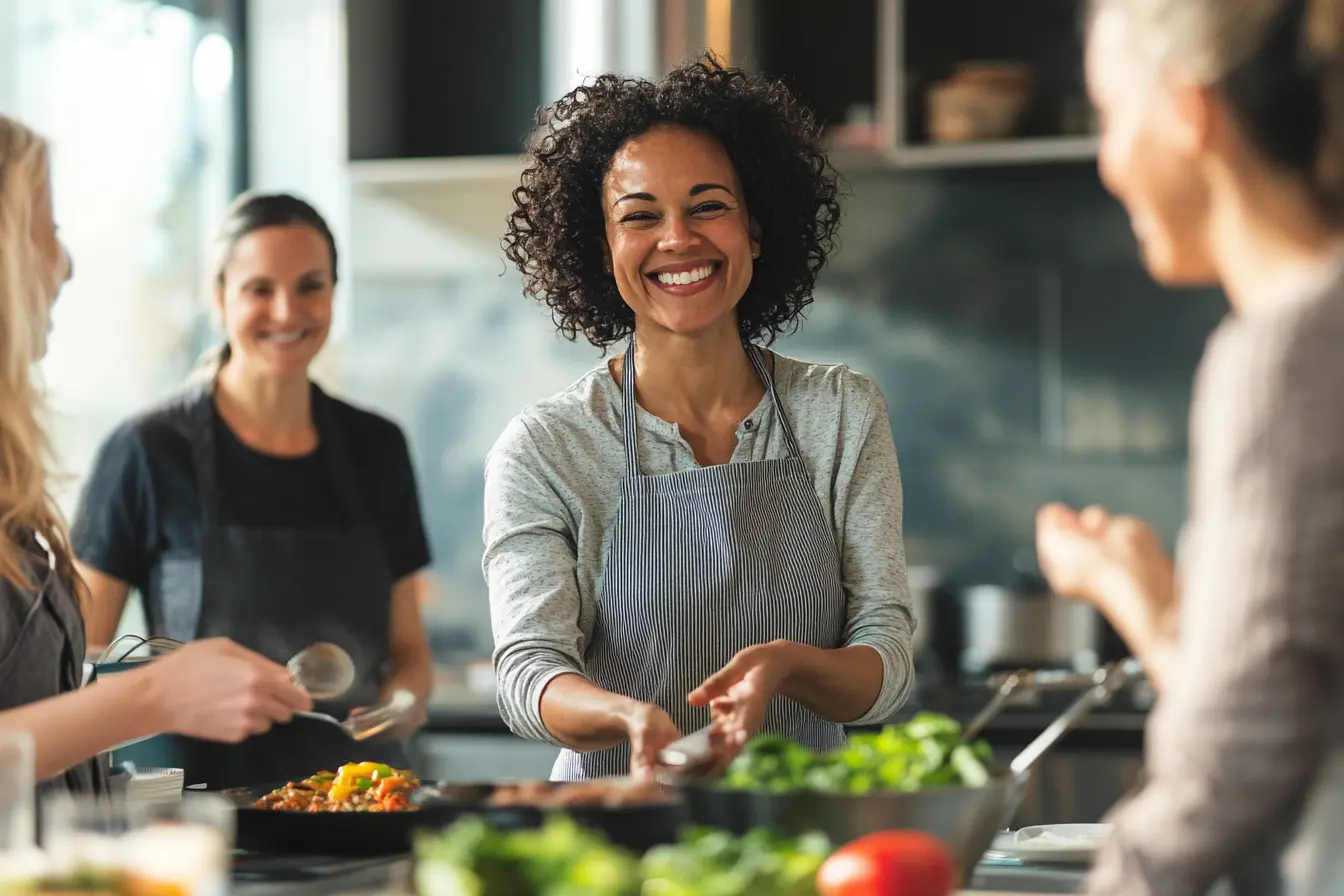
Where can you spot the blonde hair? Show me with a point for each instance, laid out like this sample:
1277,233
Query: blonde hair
26,291
1279,64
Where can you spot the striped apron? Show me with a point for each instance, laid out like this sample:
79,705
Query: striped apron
702,563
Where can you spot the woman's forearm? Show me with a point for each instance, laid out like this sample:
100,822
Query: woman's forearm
839,685
1149,627
106,603
71,728
583,716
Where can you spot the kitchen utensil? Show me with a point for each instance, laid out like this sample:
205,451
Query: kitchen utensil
965,818
637,827
372,722
1026,625
280,832
691,753
323,669
1051,844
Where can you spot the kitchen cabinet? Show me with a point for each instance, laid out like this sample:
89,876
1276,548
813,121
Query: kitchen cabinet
429,79
877,74
1039,42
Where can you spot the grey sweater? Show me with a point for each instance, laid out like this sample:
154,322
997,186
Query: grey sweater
553,486
1254,707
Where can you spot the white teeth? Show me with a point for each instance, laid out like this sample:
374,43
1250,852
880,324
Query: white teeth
684,278
286,337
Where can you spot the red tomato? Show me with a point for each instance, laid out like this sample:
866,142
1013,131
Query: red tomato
890,863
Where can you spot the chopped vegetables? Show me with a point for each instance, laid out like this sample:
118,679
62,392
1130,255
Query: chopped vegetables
563,859
559,859
925,752
710,862
356,787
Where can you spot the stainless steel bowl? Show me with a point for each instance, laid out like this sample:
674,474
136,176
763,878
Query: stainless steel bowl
966,819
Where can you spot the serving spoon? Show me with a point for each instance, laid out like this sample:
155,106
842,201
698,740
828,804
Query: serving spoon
323,669
370,723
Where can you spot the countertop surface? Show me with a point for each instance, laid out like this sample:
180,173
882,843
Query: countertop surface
391,875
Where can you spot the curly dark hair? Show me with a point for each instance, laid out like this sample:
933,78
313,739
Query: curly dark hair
556,230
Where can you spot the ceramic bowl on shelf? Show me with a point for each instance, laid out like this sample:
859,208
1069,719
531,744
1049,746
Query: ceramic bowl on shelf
980,101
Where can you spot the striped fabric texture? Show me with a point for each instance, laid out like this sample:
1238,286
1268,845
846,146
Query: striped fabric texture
703,563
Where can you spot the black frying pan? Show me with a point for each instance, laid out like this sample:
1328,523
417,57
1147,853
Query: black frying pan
325,833
636,827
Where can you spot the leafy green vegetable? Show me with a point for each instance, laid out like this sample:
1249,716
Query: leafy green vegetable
924,752
558,859
709,862
562,859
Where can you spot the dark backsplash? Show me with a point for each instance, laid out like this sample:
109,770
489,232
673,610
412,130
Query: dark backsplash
1024,352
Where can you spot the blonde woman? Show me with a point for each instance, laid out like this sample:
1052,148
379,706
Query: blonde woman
212,689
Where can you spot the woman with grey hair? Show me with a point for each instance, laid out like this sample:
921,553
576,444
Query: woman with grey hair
214,689
1222,133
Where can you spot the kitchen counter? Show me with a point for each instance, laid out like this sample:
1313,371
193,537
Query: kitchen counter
392,876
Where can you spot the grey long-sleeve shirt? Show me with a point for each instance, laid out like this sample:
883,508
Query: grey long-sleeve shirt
1256,701
552,489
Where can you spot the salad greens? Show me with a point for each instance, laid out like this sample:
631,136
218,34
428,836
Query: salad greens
709,862
924,752
562,859
472,858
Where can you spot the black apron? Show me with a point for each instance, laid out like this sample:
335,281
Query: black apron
275,591
45,658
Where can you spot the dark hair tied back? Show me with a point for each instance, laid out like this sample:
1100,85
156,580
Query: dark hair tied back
250,212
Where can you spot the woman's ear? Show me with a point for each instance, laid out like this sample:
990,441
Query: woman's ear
754,232
606,258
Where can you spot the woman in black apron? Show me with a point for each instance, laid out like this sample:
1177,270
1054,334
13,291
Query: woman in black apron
255,506
214,689
1222,133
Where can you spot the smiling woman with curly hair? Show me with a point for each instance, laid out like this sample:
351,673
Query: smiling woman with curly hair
721,542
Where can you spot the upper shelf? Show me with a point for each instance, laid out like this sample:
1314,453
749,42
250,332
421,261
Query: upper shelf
401,174
1019,151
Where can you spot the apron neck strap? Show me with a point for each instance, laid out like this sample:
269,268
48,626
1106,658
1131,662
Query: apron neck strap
758,361
630,416
630,411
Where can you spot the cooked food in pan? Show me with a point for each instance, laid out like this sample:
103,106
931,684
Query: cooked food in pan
606,792
925,752
355,787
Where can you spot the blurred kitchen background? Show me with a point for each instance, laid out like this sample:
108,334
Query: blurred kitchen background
986,279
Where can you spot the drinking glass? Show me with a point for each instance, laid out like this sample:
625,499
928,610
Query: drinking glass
17,789
179,847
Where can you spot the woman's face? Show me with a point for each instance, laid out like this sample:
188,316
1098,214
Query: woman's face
1150,154
678,233
55,261
276,299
